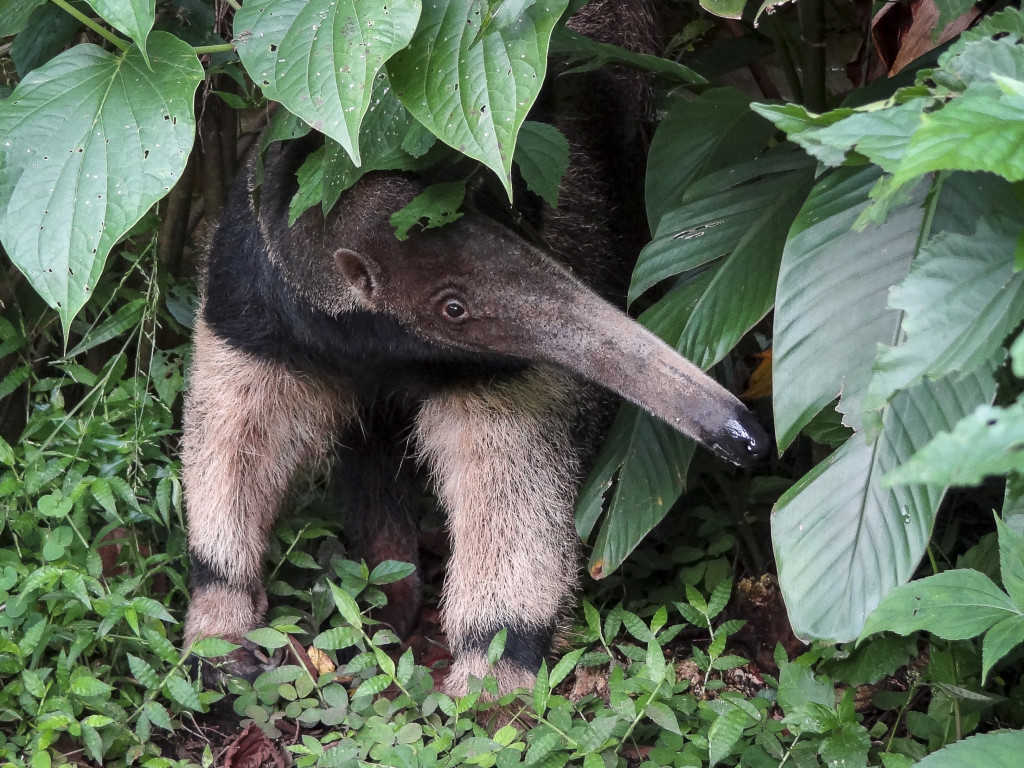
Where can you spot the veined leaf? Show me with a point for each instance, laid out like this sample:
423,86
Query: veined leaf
960,299
842,541
980,130
830,311
714,215
473,89
78,164
716,130
987,442
320,57
954,605
133,18
651,474
987,750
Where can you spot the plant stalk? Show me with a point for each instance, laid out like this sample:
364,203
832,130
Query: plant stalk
113,39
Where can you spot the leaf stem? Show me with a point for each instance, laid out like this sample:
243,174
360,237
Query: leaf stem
113,39
233,4
219,48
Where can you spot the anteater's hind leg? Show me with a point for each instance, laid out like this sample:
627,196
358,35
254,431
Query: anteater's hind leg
249,424
381,491
507,472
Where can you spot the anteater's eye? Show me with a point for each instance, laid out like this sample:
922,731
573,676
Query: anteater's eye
453,309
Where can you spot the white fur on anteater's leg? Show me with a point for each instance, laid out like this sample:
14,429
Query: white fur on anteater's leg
506,471
249,424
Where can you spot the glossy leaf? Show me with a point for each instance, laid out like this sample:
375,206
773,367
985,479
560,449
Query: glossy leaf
843,541
320,57
473,88
714,131
831,298
81,161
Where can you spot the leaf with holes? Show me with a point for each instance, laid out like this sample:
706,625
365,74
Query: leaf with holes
473,88
82,159
320,57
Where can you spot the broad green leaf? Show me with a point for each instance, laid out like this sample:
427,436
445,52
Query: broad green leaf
389,571
662,716
743,288
980,62
143,672
320,57
986,442
347,606
717,130
980,130
134,18
268,637
650,460
1002,638
81,160
842,541
714,216
880,134
473,90
211,647
337,637
830,312
959,301
1001,749
954,605
542,154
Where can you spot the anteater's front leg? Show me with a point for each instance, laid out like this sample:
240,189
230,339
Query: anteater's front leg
507,472
249,424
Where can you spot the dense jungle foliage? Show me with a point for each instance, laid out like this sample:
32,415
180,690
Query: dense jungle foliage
834,196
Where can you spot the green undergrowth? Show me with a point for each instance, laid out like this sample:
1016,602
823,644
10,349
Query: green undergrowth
662,667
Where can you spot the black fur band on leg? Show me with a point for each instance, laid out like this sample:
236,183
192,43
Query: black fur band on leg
204,573
525,647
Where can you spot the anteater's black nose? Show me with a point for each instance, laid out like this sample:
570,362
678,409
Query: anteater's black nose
742,440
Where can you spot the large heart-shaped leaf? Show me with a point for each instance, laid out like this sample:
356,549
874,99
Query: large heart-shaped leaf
319,57
473,88
81,160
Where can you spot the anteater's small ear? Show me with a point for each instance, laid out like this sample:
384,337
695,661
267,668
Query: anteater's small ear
360,272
